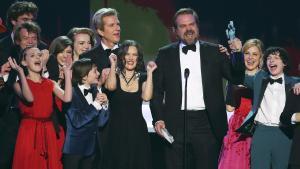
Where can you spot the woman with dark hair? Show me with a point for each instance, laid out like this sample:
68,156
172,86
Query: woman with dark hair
128,144
60,51
60,54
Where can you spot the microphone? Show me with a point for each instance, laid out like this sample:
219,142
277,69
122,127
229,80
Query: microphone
186,72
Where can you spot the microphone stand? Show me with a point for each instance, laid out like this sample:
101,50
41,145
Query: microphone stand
185,121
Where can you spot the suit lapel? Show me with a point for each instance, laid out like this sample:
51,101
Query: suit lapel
177,68
203,63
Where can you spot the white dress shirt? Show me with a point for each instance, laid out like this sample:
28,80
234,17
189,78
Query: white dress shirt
89,97
191,60
272,104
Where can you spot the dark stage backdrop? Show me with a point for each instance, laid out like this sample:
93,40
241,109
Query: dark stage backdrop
149,22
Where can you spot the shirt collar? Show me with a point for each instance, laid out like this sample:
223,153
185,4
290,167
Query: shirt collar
106,47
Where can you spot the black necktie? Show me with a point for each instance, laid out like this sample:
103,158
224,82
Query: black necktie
186,48
279,80
87,91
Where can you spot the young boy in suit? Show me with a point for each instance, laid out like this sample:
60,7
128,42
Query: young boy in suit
271,142
88,111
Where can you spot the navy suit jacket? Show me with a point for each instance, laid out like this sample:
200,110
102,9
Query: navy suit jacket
83,122
258,84
292,106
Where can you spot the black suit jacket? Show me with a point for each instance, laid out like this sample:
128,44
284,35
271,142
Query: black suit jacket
167,85
98,56
292,106
8,48
6,44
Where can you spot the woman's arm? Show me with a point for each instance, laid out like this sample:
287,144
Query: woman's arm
111,81
147,88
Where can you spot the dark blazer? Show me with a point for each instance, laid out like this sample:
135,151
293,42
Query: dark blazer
167,85
6,44
8,48
98,56
292,106
83,121
258,84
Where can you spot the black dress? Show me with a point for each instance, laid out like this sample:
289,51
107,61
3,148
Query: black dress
128,144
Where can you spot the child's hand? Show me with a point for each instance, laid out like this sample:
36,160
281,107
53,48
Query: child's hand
45,56
67,67
5,68
101,98
296,89
13,64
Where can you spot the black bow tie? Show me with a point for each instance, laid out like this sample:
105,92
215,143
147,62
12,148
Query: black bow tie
109,51
87,91
279,80
186,48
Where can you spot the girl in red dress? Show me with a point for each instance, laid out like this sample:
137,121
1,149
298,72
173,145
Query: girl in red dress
38,146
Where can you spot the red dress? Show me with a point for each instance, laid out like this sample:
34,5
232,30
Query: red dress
235,153
37,146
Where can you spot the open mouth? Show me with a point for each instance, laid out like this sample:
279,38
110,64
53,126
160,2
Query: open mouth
272,67
130,62
37,63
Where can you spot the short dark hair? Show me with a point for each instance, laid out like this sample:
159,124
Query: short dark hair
74,31
59,44
20,8
183,11
282,53
31,27
123,49
80,69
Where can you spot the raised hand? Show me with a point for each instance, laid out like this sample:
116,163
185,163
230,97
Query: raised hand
113,59
104,75
296,89
223,49
5,68
13,64
67,66
235,45
45,56
151,66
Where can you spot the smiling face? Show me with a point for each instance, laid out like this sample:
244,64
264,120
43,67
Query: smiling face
33,60
110,35
92,77
130,59
82,43
187,29
275,64
252,58
64,55
27,39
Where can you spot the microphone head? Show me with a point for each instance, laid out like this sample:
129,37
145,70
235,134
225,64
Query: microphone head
186,72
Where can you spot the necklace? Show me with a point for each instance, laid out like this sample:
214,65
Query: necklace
130,79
